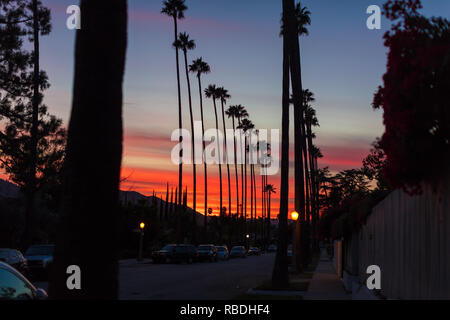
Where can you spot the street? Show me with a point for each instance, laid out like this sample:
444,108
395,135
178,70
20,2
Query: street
217,280
202,280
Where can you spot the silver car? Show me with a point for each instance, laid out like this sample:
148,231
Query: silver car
14,286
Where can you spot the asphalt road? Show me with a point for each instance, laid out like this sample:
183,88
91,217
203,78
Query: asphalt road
197,281
205,280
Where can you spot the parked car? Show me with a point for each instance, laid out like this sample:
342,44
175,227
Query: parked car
222,253
238,252
39,259
165,255
272,248
175,253
15,259
14,286
207,252
185,253
254,251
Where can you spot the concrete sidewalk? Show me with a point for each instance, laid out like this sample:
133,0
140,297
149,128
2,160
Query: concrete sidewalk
325,283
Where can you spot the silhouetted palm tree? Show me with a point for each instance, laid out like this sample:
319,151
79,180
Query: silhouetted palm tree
184,43
232,112
247,126
299,18
91,191
200,67
224,96
241,114
280,276
175,9
213,93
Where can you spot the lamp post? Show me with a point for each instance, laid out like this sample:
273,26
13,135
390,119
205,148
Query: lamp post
141,240
248,237
294,216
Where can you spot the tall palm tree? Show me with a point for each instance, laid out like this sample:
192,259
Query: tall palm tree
212,92
232,112
184,43
175,9
224,96
200,67
247,126
280,275
297,20
252,147
241,114
91,192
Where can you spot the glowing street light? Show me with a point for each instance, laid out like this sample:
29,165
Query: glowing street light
294,215
141,240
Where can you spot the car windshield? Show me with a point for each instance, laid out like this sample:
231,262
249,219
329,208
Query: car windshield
168,248
220,249
4,253
237,249
40,251
204,247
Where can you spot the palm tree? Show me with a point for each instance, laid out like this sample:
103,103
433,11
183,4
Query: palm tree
280,275
223,96
232,112
184,43
175,9
241,114
200,67
251,148
91,192
247,126
213,93
297,20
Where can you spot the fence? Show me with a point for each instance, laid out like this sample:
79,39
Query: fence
409,239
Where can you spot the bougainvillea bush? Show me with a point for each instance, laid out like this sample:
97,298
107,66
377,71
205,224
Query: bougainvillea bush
415,97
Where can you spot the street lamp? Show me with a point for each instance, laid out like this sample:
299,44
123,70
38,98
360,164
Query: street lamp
141,240
294,216
248,237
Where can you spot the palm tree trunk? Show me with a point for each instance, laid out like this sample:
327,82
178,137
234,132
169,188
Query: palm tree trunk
245,175
226,158
236,170
280,276
242,172
87,234
203,158
220,158
194,172
180,127
251,194
296,81
307,194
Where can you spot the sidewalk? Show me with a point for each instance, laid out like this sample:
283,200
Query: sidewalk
325,284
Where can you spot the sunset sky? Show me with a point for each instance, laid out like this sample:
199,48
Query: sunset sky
342,63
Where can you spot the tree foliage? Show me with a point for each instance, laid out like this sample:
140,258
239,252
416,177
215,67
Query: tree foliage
415,96
16,95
